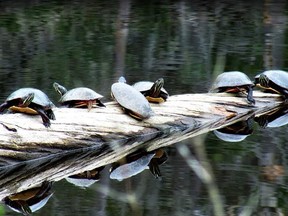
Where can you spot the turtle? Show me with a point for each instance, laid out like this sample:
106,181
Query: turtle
273,81
234,82
153,91
133,102
131,167
31,200
236,132
30,101
85,179
78,97
274,118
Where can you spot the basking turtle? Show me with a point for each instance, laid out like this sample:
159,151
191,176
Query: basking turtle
234,82
273,81
30,101
153,91
31,200
78,97
133,102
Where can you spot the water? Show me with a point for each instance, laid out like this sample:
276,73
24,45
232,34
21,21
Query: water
84,43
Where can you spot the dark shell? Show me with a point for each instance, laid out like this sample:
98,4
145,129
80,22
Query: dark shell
40,98
231,79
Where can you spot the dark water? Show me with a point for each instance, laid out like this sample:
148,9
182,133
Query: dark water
85,43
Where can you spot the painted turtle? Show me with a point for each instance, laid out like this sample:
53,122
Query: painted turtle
273,81
31,200
275,118
78,97
236,132
133,167
153,91
30,101
133,102
85,179
234,82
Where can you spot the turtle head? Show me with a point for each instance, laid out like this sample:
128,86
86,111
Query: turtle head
156,87
122,79
27,99
59,89
264,80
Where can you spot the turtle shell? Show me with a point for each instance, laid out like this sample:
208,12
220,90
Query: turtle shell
144,86
231,79
133,168
230,137
279,78
131,100
80,94
40,98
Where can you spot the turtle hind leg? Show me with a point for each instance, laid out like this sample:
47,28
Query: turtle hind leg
250,95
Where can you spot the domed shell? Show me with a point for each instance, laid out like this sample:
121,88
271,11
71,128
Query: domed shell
81,182
231,79
279,122
131,169
278,77
230,137
80,93
40,97
131,99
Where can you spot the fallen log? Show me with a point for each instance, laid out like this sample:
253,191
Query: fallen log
75,128
79,140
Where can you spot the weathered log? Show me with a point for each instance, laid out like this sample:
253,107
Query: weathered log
79,140
74,128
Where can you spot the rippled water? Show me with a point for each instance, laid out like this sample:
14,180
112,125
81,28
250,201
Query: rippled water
84,43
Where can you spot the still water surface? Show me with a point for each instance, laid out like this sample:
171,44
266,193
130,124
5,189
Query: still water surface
84,43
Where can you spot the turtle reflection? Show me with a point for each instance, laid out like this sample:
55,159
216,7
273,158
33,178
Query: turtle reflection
31,200
275,118
85,179
236,132
135,163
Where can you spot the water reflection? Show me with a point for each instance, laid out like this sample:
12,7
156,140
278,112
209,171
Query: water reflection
31,200
236,132
275,118
137,162
85,179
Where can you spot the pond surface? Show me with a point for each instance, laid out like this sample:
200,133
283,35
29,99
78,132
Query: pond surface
188,43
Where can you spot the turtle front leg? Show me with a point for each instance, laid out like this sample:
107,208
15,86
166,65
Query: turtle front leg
45,118
250,95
